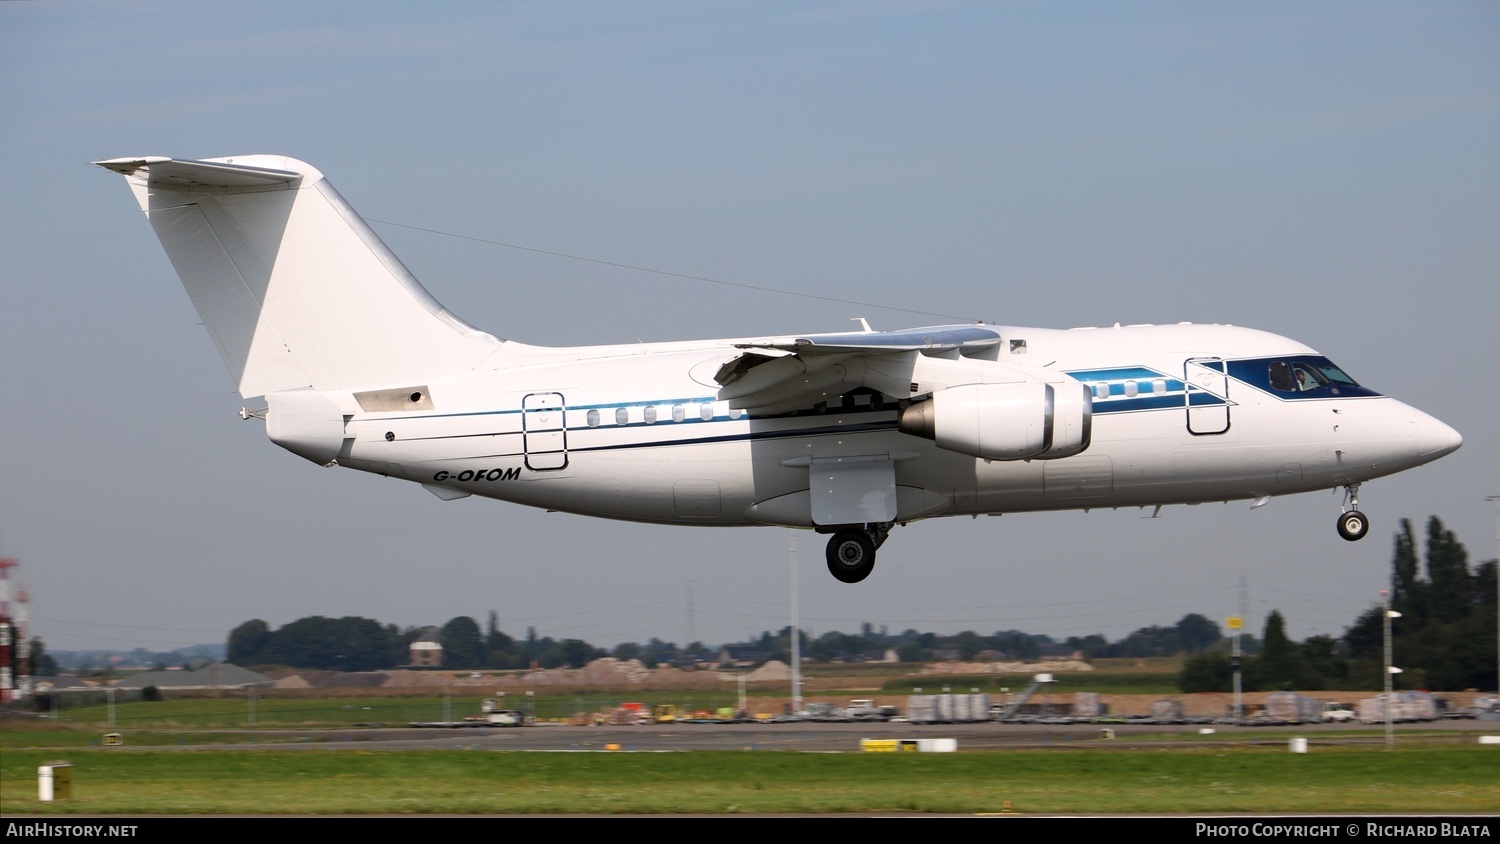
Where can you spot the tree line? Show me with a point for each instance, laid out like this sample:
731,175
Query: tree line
360,644
1444,639
353,643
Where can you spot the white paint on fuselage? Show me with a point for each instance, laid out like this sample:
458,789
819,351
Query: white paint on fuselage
735,471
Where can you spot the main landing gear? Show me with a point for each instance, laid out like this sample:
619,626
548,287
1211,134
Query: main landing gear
1352,524
851,553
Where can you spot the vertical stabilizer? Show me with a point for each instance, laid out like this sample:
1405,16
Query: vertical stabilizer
293,286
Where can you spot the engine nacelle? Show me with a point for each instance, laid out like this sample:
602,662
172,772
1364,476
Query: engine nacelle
1024,420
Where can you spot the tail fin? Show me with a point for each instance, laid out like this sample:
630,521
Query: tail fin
294,287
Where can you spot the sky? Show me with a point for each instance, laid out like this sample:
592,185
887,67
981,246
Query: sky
587,172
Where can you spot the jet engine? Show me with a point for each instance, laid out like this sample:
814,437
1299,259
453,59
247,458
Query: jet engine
1024,420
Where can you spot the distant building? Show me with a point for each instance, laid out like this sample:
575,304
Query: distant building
427,650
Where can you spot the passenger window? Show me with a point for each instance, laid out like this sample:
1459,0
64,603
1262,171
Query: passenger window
735,412
1131,389
622,416
1159,386
1101,390
679,413
706,412
593,418
650,415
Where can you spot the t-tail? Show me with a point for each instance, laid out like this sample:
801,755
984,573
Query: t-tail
296,290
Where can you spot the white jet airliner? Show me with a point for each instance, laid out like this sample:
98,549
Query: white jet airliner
846,433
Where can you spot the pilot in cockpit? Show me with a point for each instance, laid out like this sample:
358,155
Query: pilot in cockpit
1305,380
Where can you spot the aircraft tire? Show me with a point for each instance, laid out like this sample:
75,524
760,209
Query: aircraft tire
1353,525
851,556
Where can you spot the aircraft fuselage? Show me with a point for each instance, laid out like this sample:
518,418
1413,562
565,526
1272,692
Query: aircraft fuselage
636,432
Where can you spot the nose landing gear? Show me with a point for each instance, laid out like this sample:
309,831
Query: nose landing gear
851,553
1352,524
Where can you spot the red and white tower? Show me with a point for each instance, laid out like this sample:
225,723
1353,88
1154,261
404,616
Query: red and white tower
25,675
9,658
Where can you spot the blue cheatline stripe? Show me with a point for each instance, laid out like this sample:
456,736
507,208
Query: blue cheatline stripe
748,436
1132,405
1117,373
863,427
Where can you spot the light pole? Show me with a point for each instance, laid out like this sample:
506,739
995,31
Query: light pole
1497,594
1236,623
1390,670
796,633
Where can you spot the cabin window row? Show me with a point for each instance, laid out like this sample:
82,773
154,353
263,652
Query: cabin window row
1157,387
651,413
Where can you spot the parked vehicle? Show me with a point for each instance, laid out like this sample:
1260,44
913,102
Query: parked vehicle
864,709
1339,713
948,708
1402,707
1292,708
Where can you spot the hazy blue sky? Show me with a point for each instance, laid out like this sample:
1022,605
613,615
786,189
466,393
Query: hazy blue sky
1327,171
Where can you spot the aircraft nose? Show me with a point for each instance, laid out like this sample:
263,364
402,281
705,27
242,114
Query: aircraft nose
1435,438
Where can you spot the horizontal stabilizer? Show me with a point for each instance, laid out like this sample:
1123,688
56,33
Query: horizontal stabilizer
186,175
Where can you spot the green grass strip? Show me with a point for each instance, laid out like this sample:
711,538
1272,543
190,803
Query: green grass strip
1427,780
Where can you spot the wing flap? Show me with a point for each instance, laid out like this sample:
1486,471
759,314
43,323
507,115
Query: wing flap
786,374
965,339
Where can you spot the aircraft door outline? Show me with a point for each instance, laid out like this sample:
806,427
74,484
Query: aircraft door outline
1206,396
544,431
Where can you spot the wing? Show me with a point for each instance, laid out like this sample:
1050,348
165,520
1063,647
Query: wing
786,374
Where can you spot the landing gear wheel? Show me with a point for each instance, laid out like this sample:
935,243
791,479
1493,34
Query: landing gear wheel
1353,525
851,556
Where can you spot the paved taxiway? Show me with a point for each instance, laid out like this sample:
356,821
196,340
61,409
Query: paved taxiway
832,737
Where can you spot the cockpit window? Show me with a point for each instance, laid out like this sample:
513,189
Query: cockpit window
1307,378
1330,374
1304,376
1281,376
1298,376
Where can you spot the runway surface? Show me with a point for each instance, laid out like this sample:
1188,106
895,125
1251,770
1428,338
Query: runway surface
835,737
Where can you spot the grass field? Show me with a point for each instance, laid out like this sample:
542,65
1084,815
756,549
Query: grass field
1428,780
172,766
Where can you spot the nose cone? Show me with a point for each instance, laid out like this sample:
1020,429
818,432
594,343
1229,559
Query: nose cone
1434,438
